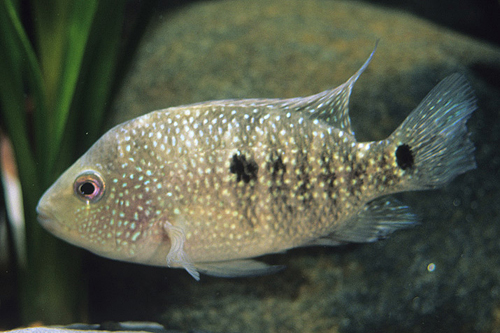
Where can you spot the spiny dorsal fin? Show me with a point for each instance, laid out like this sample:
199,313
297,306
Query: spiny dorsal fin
331,106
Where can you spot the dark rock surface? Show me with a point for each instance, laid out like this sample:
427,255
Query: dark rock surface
262,48
471,17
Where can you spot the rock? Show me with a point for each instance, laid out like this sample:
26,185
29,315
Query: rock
126,327
442,275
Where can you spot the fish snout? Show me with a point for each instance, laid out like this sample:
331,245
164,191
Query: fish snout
45,212
45,218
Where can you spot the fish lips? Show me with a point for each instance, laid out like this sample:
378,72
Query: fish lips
46,219
57,228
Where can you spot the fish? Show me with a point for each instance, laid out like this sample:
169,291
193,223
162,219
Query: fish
209,187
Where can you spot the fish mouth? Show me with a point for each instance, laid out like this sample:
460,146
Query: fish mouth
49,222
46,219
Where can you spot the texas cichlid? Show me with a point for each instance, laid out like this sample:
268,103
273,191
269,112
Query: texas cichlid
208,186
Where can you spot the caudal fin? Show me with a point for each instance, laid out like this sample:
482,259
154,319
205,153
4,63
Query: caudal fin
433,142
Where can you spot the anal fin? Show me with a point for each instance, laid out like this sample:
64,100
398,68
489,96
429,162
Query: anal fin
375,221
323,241
237,268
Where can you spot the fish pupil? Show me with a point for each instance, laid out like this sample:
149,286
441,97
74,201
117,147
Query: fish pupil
404,157
87,188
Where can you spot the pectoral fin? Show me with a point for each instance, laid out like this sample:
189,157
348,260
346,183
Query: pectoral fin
177,257
237,268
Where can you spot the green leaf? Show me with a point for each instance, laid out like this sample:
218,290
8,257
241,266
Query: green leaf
66,84
92,96
63,28
16,57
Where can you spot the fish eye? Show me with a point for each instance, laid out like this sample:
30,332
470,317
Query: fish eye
89,186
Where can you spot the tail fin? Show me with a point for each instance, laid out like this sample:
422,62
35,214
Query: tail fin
433,140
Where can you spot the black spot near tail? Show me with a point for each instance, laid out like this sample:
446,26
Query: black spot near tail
244,169
404,157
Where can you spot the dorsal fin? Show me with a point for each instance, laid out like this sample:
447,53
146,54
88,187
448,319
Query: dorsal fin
331,106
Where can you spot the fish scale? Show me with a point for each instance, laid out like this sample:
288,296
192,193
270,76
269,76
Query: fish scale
208,186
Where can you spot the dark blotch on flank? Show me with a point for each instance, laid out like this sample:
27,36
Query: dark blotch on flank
276,166
279,191
328,174
244,169
404,157
302,164
358,170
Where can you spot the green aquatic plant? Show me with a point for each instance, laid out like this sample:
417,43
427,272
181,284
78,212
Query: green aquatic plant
60,63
